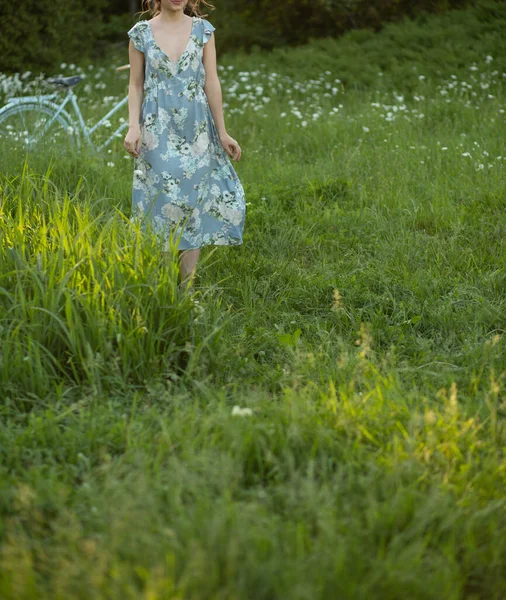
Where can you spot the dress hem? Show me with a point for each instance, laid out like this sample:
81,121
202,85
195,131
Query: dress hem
210,244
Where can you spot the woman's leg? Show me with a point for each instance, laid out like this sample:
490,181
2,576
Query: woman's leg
188,262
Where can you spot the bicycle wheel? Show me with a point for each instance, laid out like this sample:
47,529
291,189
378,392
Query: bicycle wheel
23,128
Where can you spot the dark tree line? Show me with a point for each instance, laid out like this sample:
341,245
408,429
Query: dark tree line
40,35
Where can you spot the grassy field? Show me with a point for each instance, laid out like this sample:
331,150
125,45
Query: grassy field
338,431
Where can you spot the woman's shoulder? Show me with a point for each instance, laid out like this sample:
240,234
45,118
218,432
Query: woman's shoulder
140,25
137,33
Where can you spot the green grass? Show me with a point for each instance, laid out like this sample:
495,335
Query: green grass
361,323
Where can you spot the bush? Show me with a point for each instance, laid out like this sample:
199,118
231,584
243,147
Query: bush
85,299
39,36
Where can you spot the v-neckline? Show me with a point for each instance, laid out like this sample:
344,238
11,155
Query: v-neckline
175,62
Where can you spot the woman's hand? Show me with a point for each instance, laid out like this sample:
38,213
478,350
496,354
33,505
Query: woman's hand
231,147
132,141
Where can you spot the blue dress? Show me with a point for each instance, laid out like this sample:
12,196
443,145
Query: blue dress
183,181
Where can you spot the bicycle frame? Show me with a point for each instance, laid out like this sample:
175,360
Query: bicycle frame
46,99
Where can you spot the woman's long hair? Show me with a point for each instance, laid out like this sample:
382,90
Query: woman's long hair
192,8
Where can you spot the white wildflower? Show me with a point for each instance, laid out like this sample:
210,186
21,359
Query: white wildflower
242,412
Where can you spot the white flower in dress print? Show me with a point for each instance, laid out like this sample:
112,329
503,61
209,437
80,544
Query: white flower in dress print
231,215
163,119
173,142
155,61
201,144
150,140
196,217
144,177
220,241
160,224
172,212
149,120
139,208
185,148
213,198
165,88
180,115
170,185
185,63
195,62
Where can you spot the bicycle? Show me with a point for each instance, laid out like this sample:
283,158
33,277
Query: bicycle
26,120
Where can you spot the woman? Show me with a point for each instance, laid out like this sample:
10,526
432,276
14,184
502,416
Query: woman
183,181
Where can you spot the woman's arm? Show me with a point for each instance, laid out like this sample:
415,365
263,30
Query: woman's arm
135,97
212,88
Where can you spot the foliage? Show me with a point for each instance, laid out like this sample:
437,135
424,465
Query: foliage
39,36
85,299
268,24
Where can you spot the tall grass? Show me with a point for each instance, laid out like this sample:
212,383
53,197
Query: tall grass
86,299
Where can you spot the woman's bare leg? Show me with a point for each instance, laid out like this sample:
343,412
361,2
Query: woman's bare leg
188,262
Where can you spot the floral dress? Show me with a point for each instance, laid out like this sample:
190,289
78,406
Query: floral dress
183,180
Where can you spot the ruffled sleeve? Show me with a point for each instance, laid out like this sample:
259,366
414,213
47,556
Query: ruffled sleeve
137,37
208,30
